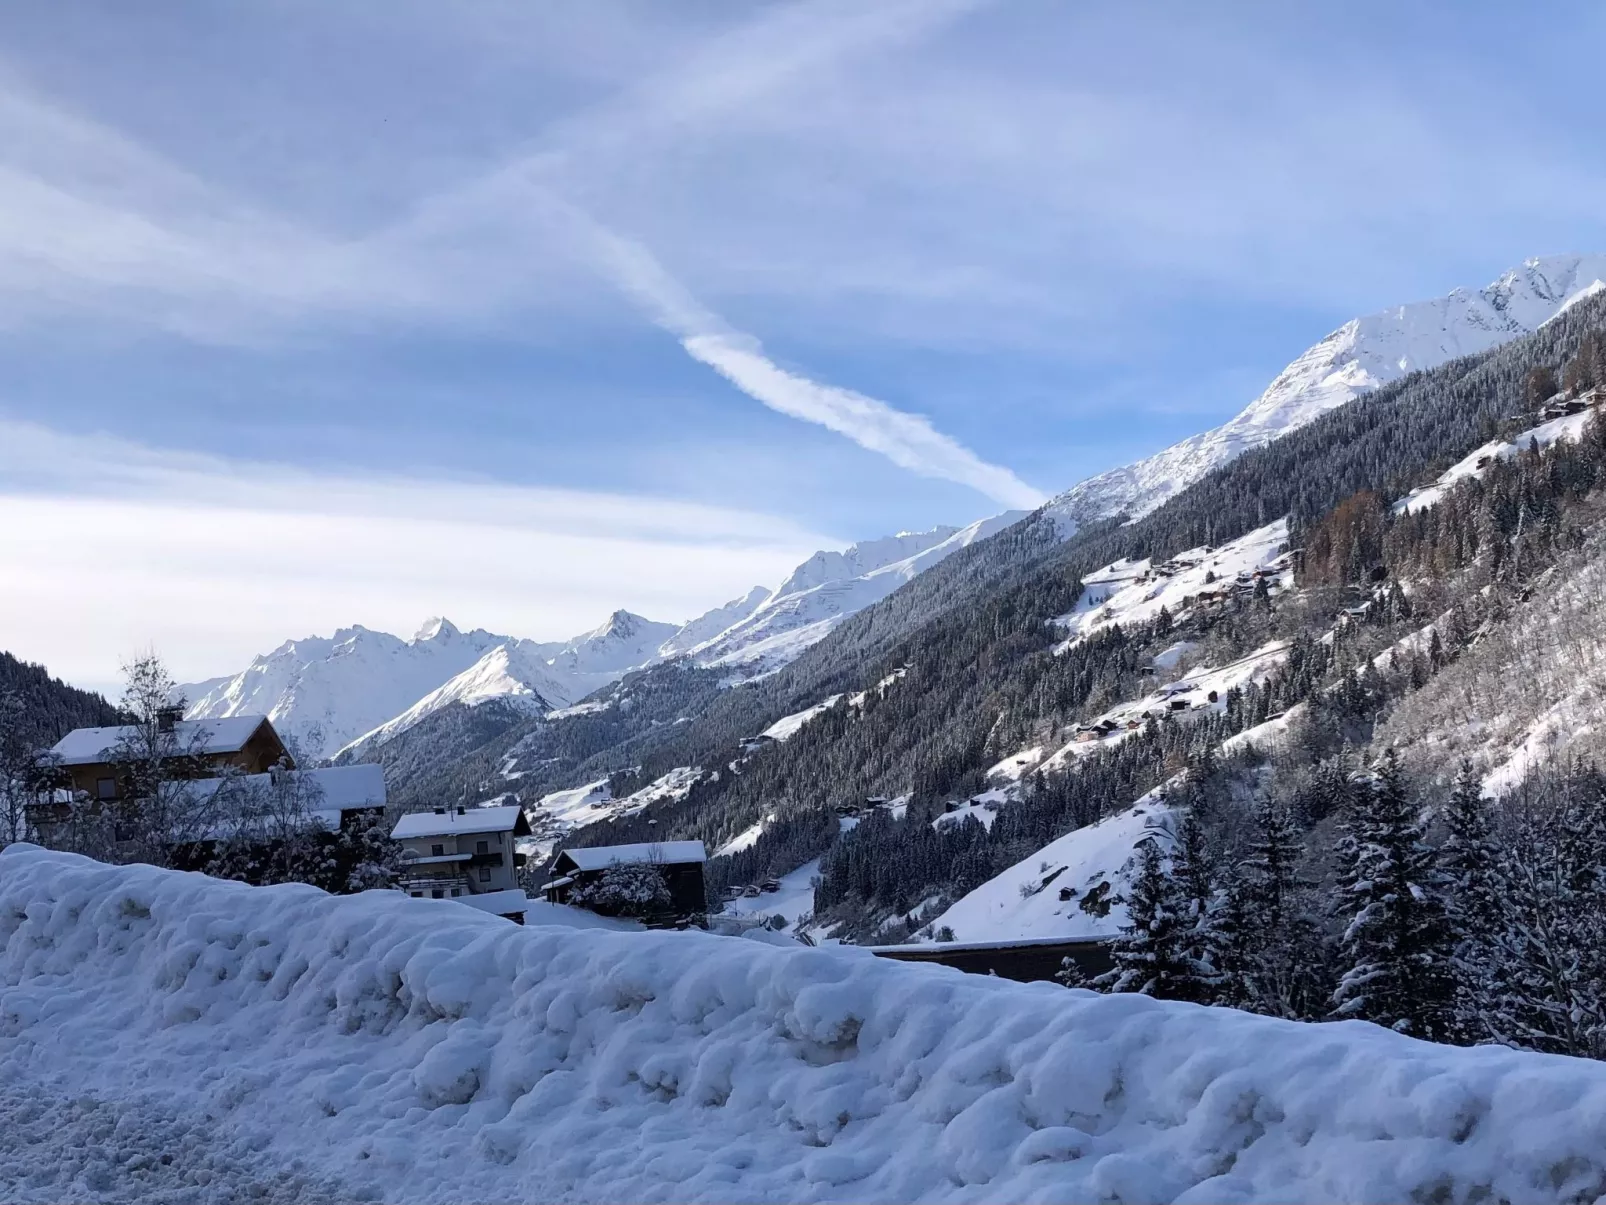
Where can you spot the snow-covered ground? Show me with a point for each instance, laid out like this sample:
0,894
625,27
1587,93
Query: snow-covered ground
1129,592
742,840
1475,463
556,815
795,898
169,1037
789,726
1042,895
1203,688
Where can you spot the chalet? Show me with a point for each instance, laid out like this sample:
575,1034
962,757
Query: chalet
90,758
465,854
94,769
680,863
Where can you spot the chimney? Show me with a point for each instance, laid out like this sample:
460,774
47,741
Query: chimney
168,717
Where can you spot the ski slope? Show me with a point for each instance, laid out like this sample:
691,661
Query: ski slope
173,1037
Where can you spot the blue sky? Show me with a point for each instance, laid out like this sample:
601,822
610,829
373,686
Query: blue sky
317,314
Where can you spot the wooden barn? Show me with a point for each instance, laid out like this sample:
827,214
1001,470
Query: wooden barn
577,874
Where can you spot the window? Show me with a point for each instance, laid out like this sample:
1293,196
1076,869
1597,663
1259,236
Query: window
437,851
418,895
106,788
485,874
482,847
456,891
436,893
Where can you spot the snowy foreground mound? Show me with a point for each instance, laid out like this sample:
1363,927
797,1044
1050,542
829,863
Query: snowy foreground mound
286,1042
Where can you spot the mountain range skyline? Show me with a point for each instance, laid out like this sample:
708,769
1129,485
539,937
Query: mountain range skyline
644,306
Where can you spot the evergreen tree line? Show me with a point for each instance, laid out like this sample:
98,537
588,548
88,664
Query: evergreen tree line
1489,925
42,709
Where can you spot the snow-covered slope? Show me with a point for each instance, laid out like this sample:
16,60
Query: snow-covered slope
829,587
1361,355
1060,890
623,642
173,1037
1131,592
327,691
707,626
1475,462
515,673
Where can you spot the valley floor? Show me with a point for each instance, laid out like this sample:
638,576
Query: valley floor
171,1037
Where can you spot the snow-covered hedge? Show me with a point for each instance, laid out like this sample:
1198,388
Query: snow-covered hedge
416,1050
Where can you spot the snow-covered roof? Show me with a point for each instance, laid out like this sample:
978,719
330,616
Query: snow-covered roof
600,857
86,746
469,820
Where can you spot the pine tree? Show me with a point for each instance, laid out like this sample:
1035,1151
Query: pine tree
1272,945
1396,947
1151,954
1469,862
1193,877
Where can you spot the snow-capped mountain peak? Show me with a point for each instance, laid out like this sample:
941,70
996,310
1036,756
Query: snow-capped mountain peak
858,559
322,692
436,628
1358,357
516,673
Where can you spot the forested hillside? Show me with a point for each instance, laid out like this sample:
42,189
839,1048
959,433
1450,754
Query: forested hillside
965,665
47,708
981,675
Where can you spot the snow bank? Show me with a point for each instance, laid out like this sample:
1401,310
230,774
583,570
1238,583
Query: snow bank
410,1050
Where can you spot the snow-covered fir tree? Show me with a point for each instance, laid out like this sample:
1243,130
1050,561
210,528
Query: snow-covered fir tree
1152,953
1547,963
1469,859
1271,945
1396,946
1194,875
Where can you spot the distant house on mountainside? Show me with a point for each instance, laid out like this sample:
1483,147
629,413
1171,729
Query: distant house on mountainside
608,879
95,760
465,854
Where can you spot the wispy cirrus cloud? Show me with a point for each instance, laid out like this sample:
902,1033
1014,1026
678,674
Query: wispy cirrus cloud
908,440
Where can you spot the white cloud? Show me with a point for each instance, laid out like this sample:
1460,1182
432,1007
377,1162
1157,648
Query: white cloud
214,561
908,440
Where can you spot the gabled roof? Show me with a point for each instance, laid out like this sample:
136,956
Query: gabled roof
505,819
600,857
87,746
